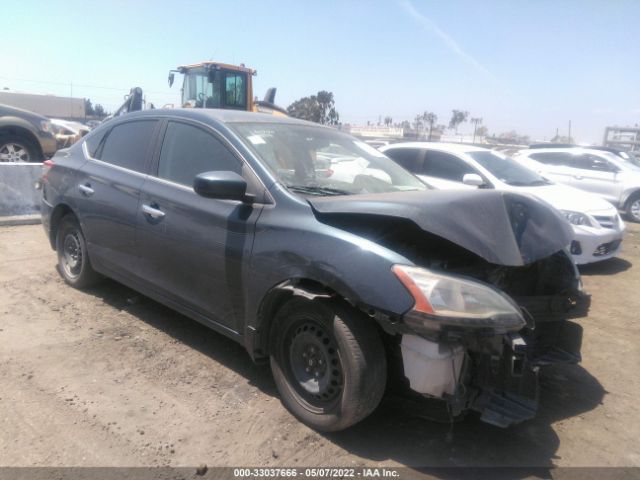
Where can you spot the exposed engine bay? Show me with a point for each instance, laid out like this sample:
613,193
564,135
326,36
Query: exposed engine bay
490,371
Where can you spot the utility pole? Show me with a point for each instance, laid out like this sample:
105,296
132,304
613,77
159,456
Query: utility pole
569,131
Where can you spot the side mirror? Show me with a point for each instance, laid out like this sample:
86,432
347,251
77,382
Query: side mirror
220,185
472,179
171,78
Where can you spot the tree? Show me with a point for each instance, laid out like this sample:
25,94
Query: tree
482,131
417,124
513,138
99,111
388,121
88,108
562,139
405,124
457,117
430,119
318,108
476,121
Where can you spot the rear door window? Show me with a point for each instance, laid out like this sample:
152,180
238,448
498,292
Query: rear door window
94,139
443,165
188,150
408,158
593,162
127,145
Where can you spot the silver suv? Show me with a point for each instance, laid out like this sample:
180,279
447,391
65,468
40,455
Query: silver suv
603,173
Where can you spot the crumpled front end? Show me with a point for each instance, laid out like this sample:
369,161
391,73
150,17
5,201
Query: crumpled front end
493,368
494,290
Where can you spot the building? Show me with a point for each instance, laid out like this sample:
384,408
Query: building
394,134
67,108
624,138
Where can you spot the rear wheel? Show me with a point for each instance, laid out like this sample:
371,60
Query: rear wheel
328,363
633,207
73,256
14,148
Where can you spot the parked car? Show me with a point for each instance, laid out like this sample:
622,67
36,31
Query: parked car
25,136
68,132
597,227
603,173
347,287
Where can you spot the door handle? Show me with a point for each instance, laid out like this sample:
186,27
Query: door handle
578,177
154,213
86,189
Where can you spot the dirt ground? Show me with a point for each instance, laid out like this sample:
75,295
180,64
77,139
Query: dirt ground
109,378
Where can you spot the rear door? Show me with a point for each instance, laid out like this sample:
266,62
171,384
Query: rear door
109,193
192,248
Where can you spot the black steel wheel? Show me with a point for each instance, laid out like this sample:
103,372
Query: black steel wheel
314,363
73,256
328,362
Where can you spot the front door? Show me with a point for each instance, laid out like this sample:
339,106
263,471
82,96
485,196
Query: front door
597,175
192,248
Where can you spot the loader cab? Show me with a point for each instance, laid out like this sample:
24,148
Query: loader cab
216,85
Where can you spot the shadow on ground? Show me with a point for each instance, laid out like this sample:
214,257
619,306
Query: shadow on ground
606,267
394,432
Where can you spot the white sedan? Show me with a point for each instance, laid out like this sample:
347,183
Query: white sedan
596,224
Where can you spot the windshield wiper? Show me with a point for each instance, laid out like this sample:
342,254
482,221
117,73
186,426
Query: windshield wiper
317,190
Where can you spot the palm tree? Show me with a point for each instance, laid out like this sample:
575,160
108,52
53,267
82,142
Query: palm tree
430,118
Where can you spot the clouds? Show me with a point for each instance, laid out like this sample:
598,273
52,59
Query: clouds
431,27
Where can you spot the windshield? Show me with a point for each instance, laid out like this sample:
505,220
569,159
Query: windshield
322,161
631,159
620,162
508,170
634,158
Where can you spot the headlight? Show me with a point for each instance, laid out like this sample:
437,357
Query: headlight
452,301
576,218
46,126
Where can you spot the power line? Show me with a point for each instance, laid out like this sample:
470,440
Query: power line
66,84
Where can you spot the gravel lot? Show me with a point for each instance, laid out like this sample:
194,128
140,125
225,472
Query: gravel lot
109,378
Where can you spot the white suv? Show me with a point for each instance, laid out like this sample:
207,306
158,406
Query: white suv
597,227
603,173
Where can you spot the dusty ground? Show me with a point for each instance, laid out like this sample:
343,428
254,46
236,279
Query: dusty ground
108,378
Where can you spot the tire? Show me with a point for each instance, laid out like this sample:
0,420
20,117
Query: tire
15,148
73,256
328,363
633,208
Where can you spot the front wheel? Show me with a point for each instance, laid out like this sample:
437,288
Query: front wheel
328,363
14,148
73,256
633,208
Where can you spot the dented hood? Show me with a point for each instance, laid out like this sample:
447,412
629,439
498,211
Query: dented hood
504,228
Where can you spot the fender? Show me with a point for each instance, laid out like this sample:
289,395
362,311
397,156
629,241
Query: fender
256,335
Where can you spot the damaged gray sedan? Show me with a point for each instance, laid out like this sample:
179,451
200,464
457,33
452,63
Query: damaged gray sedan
325,258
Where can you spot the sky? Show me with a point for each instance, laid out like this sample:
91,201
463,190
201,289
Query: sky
530,66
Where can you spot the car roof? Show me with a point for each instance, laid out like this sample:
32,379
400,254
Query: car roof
219,116
447,147
573,150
